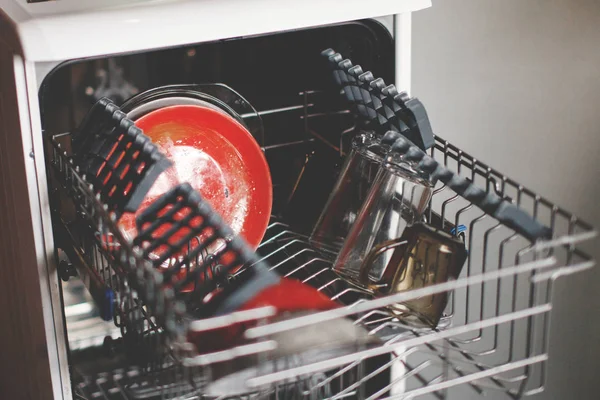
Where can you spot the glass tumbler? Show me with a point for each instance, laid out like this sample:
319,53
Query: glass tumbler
349,193
397,199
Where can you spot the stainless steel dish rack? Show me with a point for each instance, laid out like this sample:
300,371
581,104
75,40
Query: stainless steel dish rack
493,336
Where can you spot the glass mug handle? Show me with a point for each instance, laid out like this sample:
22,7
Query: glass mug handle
363,276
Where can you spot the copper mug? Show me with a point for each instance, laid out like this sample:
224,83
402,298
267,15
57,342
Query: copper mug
421,257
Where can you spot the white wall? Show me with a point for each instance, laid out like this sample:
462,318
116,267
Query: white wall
516,83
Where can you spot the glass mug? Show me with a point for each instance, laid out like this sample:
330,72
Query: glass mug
397,199
422,257
350,192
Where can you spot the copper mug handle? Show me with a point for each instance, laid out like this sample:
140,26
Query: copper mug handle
363,276
373,286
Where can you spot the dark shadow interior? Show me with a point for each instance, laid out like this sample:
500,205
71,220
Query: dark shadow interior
273,72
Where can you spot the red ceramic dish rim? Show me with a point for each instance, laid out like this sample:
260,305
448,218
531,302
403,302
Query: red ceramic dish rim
246,147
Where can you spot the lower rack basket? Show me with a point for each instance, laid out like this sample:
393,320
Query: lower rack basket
493,336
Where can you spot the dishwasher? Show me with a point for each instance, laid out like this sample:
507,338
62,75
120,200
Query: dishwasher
97,314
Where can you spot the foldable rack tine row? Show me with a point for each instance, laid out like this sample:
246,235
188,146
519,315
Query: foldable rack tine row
382,106
188,236
386,107
117,158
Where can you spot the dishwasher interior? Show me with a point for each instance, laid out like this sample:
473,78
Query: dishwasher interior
493,334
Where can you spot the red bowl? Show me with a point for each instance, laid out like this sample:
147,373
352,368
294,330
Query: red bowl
219,158
289,297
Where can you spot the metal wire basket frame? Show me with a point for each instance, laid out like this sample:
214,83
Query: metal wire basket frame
496,337
495,331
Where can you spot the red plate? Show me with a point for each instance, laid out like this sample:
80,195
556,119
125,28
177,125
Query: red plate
219,158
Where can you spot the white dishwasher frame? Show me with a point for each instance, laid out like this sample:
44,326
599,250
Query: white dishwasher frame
40,36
